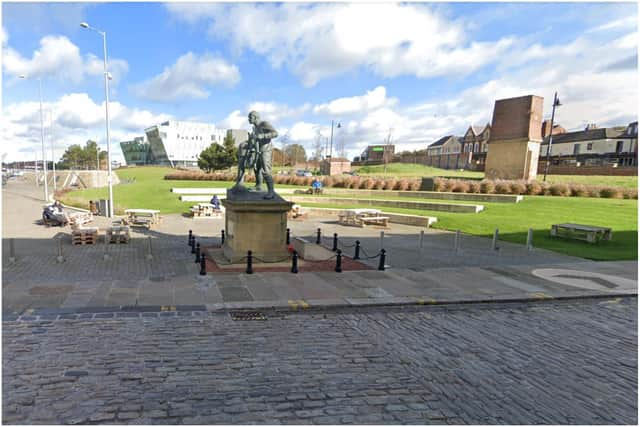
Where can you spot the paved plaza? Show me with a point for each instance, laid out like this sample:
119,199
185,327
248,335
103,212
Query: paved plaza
441,337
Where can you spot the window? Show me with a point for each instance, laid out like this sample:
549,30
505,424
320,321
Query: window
576,149
476,148
589,146
619,146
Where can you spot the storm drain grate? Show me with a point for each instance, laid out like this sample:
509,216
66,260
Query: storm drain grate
247,315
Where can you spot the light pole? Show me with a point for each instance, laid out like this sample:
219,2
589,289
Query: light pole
53,155
331,142
106,108
44,158
556,103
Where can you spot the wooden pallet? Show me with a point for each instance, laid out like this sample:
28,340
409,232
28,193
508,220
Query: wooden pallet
84,236
118,234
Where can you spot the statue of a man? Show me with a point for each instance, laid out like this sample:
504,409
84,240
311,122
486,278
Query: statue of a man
256,153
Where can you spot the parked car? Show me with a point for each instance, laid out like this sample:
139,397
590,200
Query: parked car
301,172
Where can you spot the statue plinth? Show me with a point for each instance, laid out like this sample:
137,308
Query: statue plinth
255,224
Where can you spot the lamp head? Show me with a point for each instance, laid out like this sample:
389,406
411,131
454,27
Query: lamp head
84,25
22,76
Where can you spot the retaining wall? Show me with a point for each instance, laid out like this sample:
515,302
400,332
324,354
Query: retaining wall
431,206
475,197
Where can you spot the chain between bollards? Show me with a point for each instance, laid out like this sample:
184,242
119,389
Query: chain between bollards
249,262
318,236
221,237
335,242
356,255
203,265
382,260
294,262
197,253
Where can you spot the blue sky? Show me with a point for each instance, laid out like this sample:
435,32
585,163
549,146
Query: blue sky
417,71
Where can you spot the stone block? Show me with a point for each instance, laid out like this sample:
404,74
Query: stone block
310,250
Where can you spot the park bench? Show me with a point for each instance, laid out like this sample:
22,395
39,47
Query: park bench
589,233
362,217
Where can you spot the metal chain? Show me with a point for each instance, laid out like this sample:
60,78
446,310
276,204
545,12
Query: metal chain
269,262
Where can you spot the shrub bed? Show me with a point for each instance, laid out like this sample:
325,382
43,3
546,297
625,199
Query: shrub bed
440,184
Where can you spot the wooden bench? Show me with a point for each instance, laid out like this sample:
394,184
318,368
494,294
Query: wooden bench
375,220
588,233
142,217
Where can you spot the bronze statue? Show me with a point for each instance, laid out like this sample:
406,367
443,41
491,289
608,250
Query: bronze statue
256,154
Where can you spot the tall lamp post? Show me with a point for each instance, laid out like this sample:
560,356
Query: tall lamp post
53,155
556,103
331,141
44,158
106,108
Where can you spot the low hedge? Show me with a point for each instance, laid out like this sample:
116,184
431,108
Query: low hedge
440,184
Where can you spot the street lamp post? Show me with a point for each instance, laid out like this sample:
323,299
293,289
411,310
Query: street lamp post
44,158
106,108
556,103
53,155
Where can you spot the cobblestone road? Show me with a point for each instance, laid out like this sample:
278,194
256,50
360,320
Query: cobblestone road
551,362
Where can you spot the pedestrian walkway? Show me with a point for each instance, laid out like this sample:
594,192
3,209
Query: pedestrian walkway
158,269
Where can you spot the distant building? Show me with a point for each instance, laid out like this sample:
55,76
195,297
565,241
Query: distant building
137,152
377,154
445,153
335,166
604,147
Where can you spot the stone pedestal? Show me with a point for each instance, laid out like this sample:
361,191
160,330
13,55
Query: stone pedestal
256,225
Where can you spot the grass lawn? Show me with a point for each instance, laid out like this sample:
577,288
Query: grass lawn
151,191
540,213
411,170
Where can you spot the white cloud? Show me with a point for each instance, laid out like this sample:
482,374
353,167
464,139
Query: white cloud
324,40
58,58
189,78
373,99
274,112
76,118
235,120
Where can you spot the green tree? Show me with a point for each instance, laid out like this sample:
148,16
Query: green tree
72,157
229,144
215,157
296,153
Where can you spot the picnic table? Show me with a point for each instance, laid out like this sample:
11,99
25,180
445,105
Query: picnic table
589,233
205,210
363,217
142,217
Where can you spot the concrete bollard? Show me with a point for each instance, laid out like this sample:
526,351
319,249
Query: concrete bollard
294,262
60,257
381,240
106,256
12,251
421,240
494,241
149,252
193,244
456,242
190,237
203,265
530,239
288,240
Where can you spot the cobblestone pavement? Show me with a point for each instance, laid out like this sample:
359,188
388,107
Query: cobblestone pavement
549,362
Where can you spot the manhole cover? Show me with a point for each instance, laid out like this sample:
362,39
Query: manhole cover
247,315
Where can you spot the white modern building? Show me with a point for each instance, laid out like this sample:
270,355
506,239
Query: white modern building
177,143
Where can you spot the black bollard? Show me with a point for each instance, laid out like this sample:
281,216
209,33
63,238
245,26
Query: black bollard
318,237
249,263
357,254
197,253
222,238
294,262
382,257
190,237
288,236
193,245
335,242
339,261
203,265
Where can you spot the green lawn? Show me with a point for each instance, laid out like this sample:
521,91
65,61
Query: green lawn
411,170
540,213
151,191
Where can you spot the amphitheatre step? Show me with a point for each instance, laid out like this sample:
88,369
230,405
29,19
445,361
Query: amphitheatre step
396,218
407,204
212,191
475,197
